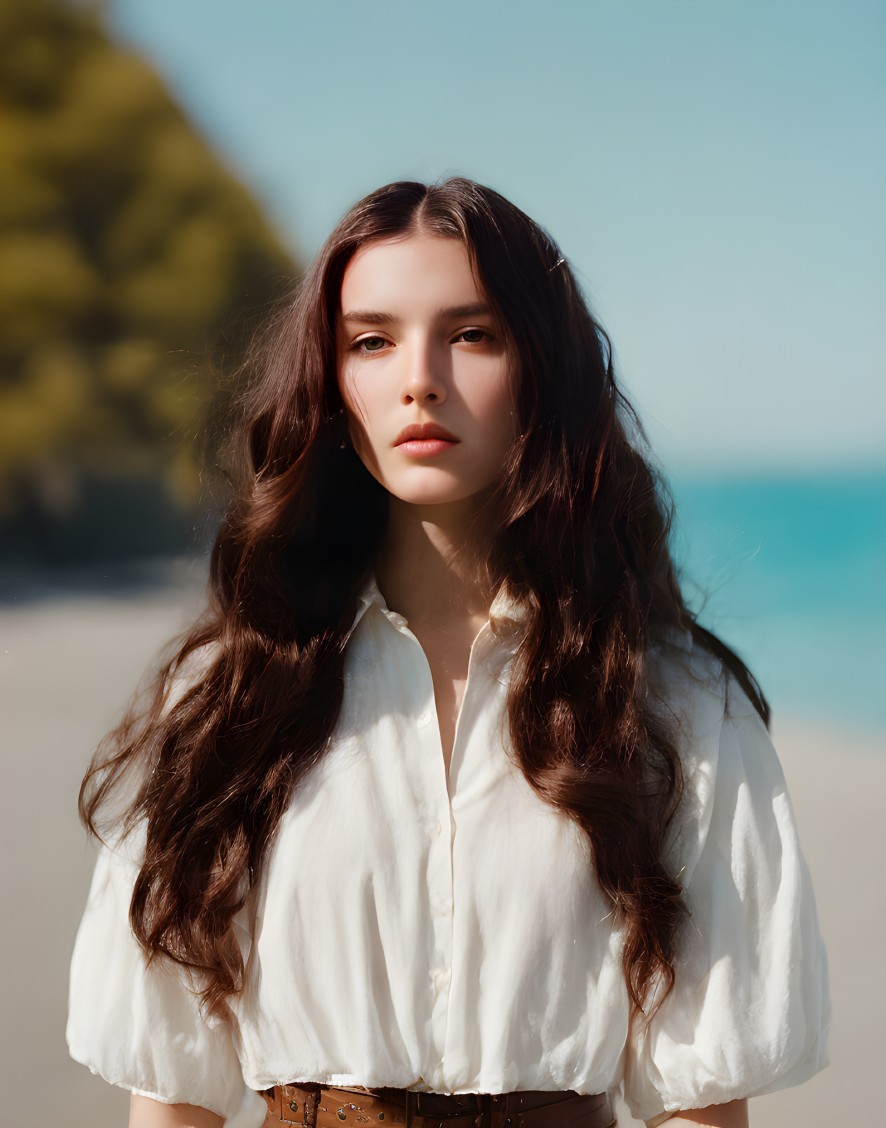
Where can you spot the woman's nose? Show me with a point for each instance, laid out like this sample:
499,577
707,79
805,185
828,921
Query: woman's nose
423,380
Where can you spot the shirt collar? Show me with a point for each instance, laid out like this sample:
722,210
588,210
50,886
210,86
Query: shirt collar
506,610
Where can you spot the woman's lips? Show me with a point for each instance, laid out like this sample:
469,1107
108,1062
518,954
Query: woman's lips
424,431
421,440
426,447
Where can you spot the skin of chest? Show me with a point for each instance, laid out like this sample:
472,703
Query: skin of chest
448,651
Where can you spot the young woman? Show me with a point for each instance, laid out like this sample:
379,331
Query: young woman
448,810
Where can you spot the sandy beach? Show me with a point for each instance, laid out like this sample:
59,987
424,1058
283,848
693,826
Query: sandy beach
69,664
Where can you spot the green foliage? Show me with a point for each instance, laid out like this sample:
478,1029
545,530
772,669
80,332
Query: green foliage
126,251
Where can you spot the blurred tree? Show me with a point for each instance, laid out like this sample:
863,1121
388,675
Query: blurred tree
126,252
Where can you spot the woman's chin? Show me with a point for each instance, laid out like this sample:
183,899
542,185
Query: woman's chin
451,502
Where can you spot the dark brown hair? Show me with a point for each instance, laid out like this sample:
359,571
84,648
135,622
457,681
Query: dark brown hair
577,527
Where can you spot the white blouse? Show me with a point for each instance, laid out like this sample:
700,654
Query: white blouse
448,934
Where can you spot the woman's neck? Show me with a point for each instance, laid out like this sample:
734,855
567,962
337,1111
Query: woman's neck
417,569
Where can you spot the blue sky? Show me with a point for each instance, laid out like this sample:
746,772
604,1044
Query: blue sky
714,171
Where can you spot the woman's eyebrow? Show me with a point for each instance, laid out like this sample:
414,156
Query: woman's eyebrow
369,317
376,317
476,309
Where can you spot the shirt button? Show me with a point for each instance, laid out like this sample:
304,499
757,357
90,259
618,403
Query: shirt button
424,718
436,830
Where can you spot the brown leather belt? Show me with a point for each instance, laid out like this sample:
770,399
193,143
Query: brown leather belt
314,1106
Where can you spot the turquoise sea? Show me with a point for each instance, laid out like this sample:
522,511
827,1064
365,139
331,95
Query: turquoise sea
791,572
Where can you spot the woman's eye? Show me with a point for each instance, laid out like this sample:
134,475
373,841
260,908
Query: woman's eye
473,336
370,344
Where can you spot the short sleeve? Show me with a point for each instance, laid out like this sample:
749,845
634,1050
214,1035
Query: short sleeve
141,1027
749,1012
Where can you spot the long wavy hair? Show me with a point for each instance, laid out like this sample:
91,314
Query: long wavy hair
577,527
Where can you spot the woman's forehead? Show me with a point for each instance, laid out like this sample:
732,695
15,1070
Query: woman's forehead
413,270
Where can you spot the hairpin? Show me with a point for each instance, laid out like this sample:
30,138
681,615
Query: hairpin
559,262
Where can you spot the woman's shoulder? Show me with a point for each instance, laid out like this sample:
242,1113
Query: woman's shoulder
690,682
121,832
716,731
686,684
188,672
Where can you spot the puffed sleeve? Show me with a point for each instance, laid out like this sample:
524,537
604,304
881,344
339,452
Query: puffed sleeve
140,1027
749,1012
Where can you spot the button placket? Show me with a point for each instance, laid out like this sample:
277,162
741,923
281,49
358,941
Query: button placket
440,907
443,974
437,788
436,813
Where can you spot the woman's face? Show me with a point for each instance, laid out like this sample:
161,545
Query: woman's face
423,370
